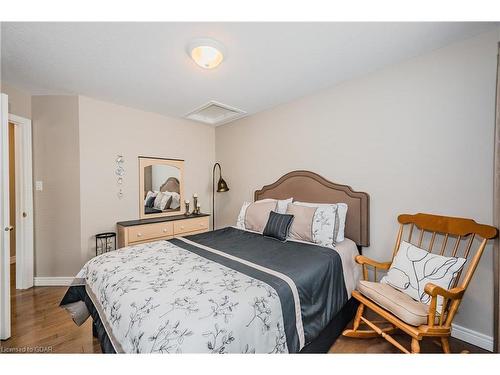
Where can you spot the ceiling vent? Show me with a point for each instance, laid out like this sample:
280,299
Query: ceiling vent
214,113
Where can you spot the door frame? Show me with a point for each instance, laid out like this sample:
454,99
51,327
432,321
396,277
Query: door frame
4,221
24,202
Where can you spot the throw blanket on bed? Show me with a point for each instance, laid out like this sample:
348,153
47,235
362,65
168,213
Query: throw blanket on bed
228,291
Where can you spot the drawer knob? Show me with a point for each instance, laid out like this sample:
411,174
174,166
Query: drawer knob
165,230
201,225
139,234
182,226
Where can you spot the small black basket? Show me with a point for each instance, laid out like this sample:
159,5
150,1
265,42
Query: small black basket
105,242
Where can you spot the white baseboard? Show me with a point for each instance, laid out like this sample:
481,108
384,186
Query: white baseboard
13,259
53,281
472,337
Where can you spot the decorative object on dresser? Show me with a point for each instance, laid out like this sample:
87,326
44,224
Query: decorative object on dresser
221,188
105,242
134,232
393,298
161,187
196,205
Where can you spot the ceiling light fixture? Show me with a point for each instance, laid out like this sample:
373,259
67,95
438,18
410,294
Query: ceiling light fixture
207,53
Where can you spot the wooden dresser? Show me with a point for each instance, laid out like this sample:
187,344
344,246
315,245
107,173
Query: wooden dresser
134,232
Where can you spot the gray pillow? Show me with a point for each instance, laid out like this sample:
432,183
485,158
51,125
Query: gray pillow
278,226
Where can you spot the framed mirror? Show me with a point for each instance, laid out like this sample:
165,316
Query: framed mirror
161,187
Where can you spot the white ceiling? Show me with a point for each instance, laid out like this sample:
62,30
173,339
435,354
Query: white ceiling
145,65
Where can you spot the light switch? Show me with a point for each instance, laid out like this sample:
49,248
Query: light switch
39,185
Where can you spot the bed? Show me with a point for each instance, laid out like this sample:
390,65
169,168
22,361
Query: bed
230,290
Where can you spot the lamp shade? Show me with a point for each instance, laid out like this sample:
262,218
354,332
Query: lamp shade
222,186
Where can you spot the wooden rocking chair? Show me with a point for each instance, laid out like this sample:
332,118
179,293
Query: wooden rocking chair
400,311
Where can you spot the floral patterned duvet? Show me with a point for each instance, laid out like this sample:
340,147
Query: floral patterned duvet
227,291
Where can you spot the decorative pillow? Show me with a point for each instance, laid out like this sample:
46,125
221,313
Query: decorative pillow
326,223
168,202
150,201
280,208
162,200
149,195
175,202
302,226
278,226
413,267
159,201
257,214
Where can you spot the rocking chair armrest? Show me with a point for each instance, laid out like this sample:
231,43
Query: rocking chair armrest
361,259
433,290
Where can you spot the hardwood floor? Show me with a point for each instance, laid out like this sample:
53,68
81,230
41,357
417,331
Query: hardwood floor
39,324
380,345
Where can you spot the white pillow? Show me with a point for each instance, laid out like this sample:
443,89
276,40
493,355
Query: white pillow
280,208
342,212
282,204
413,267
240,222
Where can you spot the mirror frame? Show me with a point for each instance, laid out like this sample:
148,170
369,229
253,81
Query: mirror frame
145,161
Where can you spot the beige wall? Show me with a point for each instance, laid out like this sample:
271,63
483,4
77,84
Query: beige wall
75,143
107,130
56,159
418,137
19,100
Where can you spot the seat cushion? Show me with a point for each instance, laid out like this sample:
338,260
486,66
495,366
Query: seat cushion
398,303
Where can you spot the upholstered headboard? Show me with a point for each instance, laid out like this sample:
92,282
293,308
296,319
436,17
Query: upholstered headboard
172,184
308,186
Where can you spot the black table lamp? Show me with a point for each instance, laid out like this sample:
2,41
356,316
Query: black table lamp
221,187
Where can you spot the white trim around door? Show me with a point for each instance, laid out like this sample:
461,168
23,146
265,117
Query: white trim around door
24,202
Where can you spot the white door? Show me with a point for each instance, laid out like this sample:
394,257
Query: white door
5,225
